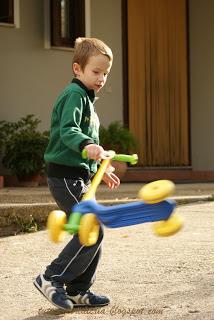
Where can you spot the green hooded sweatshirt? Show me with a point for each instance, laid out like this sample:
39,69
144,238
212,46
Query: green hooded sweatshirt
74,124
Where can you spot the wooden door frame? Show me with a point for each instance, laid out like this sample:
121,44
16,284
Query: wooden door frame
125,63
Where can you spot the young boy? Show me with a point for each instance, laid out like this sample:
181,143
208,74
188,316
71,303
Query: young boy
74,127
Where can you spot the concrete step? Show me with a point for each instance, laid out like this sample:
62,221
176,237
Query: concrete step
29,217
126,190
25,209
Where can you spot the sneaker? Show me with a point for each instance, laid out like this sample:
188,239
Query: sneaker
54,292
89,299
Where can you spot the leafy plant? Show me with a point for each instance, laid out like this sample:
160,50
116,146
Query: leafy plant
26,226
10,129
23,146
118,138
7,129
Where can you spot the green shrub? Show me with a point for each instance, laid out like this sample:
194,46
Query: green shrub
23,146
118,138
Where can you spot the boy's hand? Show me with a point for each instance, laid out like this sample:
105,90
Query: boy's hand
94,151
111,180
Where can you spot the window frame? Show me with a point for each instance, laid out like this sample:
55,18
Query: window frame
47,26
16,16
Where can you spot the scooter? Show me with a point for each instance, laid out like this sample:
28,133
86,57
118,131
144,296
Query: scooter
87,215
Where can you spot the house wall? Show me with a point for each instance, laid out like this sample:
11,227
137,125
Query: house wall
106,24
32,76
201,22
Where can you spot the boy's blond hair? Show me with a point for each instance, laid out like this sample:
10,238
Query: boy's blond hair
86,47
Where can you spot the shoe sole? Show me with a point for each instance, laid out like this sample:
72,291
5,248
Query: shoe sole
39,289
75,305
89,305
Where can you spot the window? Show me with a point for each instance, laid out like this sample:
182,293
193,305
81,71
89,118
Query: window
9,13
67,22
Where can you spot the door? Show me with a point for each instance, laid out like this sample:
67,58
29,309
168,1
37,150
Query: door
157,81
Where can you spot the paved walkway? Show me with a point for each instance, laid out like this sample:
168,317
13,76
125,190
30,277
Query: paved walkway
146,277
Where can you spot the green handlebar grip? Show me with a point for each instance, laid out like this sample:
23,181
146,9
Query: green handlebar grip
132,159
84,154
73,223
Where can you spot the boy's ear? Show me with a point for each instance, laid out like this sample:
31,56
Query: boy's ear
76,68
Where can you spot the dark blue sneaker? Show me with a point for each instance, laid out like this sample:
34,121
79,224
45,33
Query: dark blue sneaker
54,292
88,299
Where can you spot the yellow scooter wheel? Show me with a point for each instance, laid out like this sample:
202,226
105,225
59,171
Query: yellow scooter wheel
88,229
156,191
55,223
168,227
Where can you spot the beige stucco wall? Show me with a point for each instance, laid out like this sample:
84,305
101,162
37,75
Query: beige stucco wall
32,76
202,83
106,25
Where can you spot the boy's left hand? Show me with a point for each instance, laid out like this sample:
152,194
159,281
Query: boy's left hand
111,180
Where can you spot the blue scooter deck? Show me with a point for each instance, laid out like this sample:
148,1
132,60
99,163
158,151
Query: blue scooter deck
127,214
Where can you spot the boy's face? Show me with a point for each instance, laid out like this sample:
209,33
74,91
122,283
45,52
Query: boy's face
96,71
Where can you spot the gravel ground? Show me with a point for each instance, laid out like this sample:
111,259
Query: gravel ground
146,277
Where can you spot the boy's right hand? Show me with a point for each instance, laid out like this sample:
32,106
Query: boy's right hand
94,151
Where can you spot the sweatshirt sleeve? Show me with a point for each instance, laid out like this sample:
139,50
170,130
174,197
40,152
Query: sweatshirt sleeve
70,124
